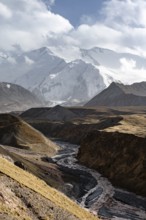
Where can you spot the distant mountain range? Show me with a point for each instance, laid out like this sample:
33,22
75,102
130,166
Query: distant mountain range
14,97
121,95
59,81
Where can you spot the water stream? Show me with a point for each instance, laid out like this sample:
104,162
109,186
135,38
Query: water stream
93,191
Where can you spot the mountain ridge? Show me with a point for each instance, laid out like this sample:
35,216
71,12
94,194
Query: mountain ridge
53,77
118,94
15,97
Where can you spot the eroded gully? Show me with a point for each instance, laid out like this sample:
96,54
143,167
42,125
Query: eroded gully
94,192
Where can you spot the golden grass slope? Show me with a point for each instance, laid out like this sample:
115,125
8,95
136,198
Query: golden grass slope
43,189
17,133
131,124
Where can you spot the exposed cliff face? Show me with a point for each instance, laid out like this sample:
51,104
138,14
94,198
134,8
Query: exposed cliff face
120,157
73,132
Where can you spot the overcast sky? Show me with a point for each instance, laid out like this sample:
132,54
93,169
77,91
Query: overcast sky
71,24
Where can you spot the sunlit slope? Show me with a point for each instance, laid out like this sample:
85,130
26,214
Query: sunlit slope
17,133
38,186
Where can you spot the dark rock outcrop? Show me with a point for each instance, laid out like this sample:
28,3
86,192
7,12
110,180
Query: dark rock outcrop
20,164
57,113
118,156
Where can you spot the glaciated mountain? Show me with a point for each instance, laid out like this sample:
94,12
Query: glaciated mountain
14,97
49,76
38,62
118,94
109,58
75,83
43,63
123,67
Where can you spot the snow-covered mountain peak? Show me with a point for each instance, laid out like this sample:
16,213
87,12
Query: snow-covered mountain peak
98,50
79,63
43,51
48,75
42,54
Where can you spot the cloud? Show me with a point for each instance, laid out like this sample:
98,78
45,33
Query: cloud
129,18
90,36
127,64
49,3
30,24
129,72
121,26
28,60
5,12
11,60
125,12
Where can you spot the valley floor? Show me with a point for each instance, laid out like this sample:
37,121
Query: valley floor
110,141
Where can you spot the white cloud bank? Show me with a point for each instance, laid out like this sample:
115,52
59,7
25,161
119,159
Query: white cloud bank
122,27
29,24
5,12
129,73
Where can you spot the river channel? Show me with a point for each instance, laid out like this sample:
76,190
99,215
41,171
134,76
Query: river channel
94,192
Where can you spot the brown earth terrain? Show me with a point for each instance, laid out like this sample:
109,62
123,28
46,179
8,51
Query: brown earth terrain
112,141
26,146
118,156
17,133
119,153
23,196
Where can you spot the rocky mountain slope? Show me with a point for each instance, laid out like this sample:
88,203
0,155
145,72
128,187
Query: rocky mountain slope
118,152
24,196
15,97
118,94
51,77
70,82
74,83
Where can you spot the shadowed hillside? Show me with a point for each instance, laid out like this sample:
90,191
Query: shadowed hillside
121,95
17,133
14,97
57,113
119,153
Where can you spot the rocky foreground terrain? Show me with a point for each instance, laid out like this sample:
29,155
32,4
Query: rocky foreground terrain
108,140
24,195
